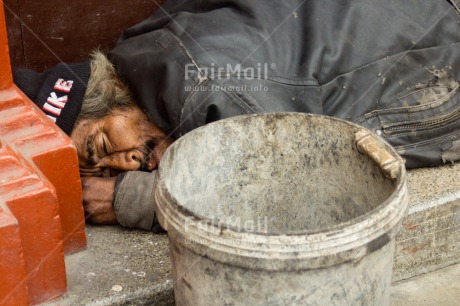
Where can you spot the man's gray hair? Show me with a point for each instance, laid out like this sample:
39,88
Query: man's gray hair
105,91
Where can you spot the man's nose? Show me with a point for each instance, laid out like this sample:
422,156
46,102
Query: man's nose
134,156
126,161
132,160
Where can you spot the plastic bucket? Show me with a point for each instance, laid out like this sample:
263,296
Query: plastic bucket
281,209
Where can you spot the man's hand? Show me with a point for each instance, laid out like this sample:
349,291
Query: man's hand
98,194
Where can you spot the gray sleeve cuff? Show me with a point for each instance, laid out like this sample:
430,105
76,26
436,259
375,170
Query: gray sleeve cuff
134,202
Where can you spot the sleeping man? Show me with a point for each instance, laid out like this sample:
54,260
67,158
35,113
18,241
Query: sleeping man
390,66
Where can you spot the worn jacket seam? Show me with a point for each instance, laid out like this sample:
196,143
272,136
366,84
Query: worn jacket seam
396,55
422,144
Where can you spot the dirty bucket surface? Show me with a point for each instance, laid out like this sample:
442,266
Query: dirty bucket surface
279,198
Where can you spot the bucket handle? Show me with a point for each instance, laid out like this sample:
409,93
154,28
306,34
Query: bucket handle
369,145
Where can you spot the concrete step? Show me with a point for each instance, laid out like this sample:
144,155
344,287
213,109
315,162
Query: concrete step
430,237
127,267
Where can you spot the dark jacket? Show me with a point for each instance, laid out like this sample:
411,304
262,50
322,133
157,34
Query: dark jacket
391,66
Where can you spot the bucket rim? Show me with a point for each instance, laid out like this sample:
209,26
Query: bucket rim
344,240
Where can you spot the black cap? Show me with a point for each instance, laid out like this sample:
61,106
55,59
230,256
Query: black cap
58,92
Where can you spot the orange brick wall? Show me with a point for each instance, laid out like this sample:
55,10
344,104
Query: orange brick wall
50,150
12,263
33,203
5,68
41,215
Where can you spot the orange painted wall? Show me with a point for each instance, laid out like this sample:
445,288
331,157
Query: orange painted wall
5,68
41,213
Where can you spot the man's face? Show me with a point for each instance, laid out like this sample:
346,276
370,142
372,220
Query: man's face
125,140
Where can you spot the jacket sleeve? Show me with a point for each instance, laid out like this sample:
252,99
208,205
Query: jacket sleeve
134,202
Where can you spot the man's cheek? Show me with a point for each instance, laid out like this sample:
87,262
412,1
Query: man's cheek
162,147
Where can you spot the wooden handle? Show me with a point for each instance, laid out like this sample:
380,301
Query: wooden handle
367,144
